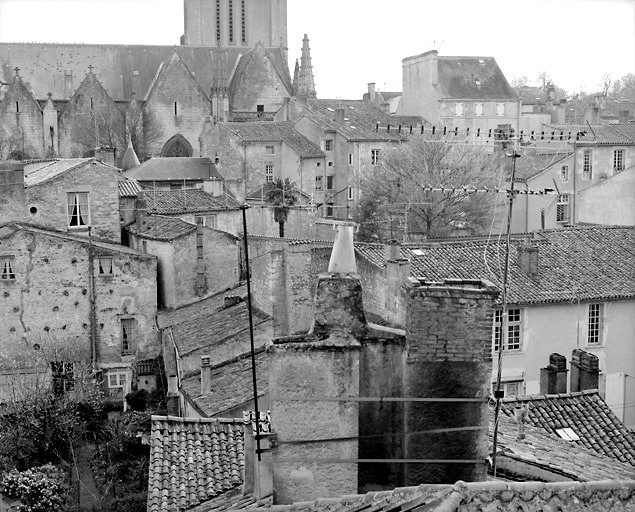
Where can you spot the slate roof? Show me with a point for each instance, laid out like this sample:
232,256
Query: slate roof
129,187
44,65
472,78
275,131
232,384
584,264
193,460
604,134
37,173
486,496
360,119
586,414
533,163
162,228
175,169
171,202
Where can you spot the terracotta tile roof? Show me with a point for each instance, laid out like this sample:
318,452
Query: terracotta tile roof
282,131
583,264
233,499
171,202
232,384
486,496
174,169
360,119
563,459
162,228
472,78
193,460
586,414
129,187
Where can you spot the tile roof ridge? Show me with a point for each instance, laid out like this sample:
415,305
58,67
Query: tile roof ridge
190,420
206,297
239,357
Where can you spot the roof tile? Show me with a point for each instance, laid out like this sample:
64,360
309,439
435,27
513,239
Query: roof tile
171,202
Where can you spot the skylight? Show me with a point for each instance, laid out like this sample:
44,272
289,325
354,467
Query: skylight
330,109
481,61
567,434
417,252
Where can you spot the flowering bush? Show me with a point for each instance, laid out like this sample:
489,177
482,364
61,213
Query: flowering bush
38,489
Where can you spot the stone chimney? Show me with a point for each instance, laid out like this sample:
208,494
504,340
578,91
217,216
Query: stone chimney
448,357
201,281
206,375
311,381
339,115
585,371
397,271
553,378
385,107
371,92
105,155
141,212
551,94
258,480
528,259
172,398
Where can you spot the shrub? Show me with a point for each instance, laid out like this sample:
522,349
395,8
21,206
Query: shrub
38,489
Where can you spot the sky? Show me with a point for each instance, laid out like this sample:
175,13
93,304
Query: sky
354,42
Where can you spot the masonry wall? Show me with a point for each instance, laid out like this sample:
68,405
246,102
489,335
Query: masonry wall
217,141
21,121
419,98
49,199
48,302
448,355
13,197
611,202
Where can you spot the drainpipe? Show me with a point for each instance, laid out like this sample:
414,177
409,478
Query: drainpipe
91,299
575,190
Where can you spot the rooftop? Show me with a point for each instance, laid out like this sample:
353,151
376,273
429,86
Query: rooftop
601,270
604,134
157,227
40,172
472,78
129,187
175,169
172,202
533,162
586,414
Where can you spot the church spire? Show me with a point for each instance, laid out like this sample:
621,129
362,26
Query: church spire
296,75
305,86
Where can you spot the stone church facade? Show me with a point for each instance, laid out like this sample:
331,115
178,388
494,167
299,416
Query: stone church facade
63,100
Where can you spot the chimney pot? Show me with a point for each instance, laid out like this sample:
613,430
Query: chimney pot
528,259
206,375
585,370
392,250
339,115
343,255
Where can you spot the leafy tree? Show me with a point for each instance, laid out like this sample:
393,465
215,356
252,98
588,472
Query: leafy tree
623,88
393,189
281,195
38,490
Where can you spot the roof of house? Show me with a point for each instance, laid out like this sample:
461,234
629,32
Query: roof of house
193,460
40,172
171,202
534,162
575,264
232,384
491,495
175,169
158,227
586,414
472,78
129,187
360,119
603,134
275,131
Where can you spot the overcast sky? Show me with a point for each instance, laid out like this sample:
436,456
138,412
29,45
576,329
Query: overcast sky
354,42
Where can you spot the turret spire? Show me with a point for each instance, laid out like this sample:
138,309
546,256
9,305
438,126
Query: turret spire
305,86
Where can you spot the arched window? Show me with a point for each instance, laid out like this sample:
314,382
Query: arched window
177,145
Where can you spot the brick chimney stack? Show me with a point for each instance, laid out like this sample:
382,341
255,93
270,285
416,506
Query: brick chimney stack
585,370
553,378
206,375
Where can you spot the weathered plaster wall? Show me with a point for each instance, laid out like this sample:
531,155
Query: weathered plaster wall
21,120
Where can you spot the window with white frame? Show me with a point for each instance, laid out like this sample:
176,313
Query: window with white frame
618,160
78,209
564,173
587,165
7,268
514,329
500,109
374,156
127,335
269,173
511,387
458,109
478,109
594,327
563,212
318,183
269,150
207,220
117,380
105,265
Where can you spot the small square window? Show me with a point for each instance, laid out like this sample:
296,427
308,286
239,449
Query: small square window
105,265
269,150
7,268
318,164
330,164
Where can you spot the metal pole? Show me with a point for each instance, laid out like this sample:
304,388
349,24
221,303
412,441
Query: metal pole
251,331
504,319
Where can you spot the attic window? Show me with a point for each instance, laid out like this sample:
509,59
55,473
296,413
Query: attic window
417,252
478,83
567,434
351,107
330,109
135,72
481,62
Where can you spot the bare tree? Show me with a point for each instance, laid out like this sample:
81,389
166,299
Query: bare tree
9,144
519,81
396,203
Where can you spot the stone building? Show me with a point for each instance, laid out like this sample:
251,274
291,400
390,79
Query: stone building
77,300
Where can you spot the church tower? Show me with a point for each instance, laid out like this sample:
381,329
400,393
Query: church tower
240,23
303,81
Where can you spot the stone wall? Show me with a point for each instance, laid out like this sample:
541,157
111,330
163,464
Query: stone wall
20,122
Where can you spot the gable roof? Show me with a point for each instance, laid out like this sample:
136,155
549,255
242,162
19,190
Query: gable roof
472,78
193,460
255,56
533,162
128,187
165,229
175,169
602,268
275,131
586,414
171,202
164,68
37,173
